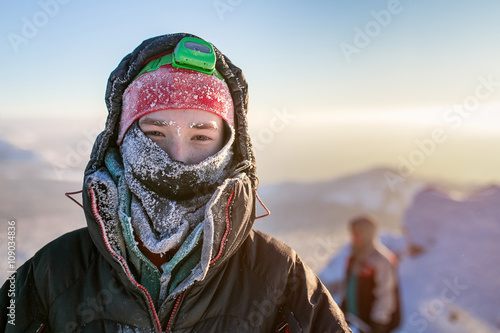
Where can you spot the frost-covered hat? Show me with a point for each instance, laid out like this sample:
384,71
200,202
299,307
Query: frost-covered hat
168,88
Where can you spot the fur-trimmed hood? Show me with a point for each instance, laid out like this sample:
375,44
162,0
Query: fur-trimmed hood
129,68
229,215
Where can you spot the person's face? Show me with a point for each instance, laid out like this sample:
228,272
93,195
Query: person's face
186,135
357,237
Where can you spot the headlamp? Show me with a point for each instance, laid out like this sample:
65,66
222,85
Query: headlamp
190,53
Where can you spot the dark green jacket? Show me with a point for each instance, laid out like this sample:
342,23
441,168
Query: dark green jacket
83,281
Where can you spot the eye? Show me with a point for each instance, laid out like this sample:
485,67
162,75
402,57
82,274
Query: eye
201,138
153,134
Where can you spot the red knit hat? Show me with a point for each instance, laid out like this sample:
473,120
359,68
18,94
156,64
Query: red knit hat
174,88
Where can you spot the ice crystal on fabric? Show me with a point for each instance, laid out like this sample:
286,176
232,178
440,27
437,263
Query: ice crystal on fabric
159,218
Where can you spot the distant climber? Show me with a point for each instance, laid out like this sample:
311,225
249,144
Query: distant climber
371,302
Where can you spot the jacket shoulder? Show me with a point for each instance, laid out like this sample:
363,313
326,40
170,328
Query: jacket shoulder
383,257
305,304
264,252
48,274
66,250
62,261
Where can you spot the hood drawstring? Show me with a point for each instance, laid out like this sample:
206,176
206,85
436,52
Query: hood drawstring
242,166
69,195
268,212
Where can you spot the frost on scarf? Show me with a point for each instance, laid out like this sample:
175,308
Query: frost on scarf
169,197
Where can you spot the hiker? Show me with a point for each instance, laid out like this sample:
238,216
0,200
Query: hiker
170,196
371,301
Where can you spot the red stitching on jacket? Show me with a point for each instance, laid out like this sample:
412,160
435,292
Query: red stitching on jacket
228,226
125,266
174,310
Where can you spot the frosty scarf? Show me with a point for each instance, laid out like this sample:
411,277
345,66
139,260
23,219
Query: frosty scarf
169,197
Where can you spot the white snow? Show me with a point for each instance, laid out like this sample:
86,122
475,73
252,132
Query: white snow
372,191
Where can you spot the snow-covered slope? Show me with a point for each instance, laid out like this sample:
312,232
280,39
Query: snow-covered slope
36,203
16,162
312,217
449,263
10,153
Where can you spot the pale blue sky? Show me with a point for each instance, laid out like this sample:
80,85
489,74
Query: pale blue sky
429,53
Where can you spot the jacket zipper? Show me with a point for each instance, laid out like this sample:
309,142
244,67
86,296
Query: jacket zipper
42,326
174,311
179,298
124,264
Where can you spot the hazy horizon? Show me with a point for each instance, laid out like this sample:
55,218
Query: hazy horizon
295,148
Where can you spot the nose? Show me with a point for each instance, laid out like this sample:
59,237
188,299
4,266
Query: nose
176,149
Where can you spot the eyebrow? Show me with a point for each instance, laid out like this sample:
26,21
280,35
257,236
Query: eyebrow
156,122
210,125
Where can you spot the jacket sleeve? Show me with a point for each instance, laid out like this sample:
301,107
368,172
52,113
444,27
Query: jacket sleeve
309,307
21,309
384,292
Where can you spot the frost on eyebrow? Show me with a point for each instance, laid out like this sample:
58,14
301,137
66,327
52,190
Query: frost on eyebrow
211,125
161,123
156,122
